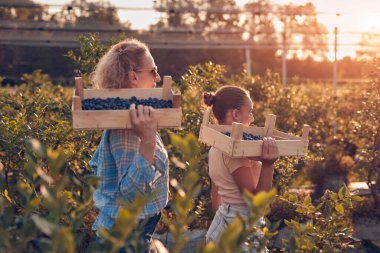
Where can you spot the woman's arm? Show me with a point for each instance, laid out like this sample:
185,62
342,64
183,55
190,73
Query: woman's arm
215,198
144,124
135,173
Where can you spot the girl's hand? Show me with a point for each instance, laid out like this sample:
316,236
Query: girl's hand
269,152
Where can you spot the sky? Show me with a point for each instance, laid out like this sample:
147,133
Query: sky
355,16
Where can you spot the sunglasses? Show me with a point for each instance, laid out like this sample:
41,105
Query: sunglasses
153,71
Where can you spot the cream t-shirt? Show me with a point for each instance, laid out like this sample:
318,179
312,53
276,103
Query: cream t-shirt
221,167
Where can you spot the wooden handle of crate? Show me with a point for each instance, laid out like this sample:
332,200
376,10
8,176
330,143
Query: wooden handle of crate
77,103
167,93
206,116
270,121
305,132
79,87
237,131
176,100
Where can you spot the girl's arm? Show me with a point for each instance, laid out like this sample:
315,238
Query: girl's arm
244,177
215,198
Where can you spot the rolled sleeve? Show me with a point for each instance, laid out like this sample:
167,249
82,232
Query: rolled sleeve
136,178
137,175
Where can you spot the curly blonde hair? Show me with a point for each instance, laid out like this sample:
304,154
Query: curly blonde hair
112,70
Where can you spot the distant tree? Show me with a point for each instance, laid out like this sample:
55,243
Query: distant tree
22,10
369,47
186,21
84,12
300,23
259,22
259,31
208,15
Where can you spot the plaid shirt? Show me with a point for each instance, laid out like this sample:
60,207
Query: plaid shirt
124,172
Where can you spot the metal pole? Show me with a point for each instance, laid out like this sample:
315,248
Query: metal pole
335,68
284,53
248,60
335,61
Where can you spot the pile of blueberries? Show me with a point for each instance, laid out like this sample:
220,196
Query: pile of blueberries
123,103
248,136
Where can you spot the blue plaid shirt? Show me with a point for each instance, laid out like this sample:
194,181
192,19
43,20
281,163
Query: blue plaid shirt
124,172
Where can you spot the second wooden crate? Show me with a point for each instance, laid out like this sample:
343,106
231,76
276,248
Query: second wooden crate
233,145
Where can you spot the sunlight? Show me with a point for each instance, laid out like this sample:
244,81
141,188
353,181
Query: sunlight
371,22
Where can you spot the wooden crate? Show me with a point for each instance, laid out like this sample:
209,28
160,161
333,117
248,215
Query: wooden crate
120,119
288,145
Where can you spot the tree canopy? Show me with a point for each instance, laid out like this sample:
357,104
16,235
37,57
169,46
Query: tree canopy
22,10
83,12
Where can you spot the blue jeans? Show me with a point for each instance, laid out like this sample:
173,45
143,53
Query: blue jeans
147,226
225,215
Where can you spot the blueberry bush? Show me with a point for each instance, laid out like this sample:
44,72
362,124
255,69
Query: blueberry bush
46,184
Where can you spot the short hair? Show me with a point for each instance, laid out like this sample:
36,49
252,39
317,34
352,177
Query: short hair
113,68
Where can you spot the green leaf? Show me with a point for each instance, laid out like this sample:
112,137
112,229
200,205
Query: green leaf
4,239
63,241
307,200
340,209
293,198
43,225
343,192
263,199
357,198
37,147
230,236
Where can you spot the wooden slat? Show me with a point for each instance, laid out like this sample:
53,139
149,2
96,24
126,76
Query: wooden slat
206,116
124,93
270,122
285,148
176,100
167,93
215,139
120,119
221,128
247,148
79,87
237,131
285,136
258,131
77,103
305,132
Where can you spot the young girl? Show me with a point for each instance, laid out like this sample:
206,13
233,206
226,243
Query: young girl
130,161
231,176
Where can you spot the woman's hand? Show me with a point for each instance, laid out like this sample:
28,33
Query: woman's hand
269,153
144,124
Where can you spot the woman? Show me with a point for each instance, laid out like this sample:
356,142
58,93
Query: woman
231,176
133,161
